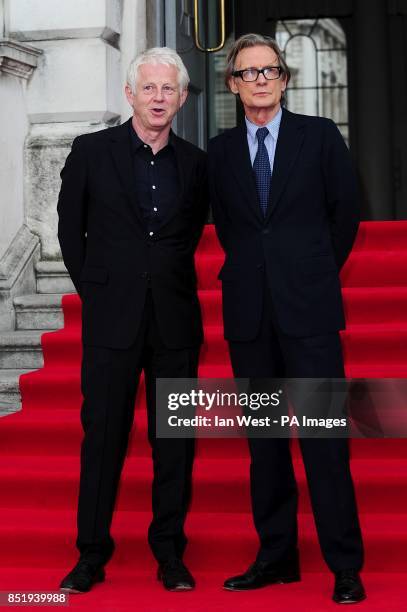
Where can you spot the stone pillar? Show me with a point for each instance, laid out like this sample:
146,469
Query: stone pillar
133,40
372,117
77,88
17,63
19,248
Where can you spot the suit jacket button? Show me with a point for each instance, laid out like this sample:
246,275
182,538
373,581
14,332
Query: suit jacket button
266,231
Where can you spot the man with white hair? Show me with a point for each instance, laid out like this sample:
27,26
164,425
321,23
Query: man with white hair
132,206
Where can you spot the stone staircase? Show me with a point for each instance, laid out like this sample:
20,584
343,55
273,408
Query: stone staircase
20,349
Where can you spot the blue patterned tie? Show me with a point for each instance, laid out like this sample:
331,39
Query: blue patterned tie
261,167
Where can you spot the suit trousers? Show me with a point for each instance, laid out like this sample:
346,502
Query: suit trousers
110,379
273,485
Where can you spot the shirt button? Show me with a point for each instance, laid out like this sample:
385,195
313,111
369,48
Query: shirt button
146,146
152,163
153,186
151,233
155,209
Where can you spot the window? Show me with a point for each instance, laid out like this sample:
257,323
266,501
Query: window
315,51
221,103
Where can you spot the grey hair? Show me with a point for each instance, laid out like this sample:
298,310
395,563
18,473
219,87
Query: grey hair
254,40
158,55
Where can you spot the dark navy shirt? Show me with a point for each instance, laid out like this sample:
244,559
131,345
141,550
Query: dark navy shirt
157,183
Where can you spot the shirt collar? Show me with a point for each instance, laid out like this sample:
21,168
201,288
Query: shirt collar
273,127
137,143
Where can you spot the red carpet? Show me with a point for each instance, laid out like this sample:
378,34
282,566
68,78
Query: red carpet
39,465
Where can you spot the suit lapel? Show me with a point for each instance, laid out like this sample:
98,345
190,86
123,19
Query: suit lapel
290,138
123,161
238,159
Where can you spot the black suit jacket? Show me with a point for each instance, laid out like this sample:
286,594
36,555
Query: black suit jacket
305,238
108,252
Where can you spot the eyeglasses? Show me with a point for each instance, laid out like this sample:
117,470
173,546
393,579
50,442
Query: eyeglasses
252,74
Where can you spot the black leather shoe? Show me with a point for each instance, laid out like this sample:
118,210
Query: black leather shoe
82,577
348,587
175,576
262,573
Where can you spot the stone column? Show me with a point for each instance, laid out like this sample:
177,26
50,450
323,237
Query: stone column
133,40
77,88
19,248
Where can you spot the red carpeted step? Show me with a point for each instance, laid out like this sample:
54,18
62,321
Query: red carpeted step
216,543
60,387
361,343
376,370
51,386
59,430
375,305
381,235
371,343
375,269
62,348
381,485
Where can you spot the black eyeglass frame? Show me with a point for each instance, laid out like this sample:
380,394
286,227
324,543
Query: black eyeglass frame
239,73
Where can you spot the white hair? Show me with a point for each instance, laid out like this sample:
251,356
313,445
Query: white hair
157,55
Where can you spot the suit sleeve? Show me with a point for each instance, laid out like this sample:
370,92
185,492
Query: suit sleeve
72,211
218,211
341,191
202,200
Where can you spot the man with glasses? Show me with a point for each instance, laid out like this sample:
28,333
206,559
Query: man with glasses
132,206
285,208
